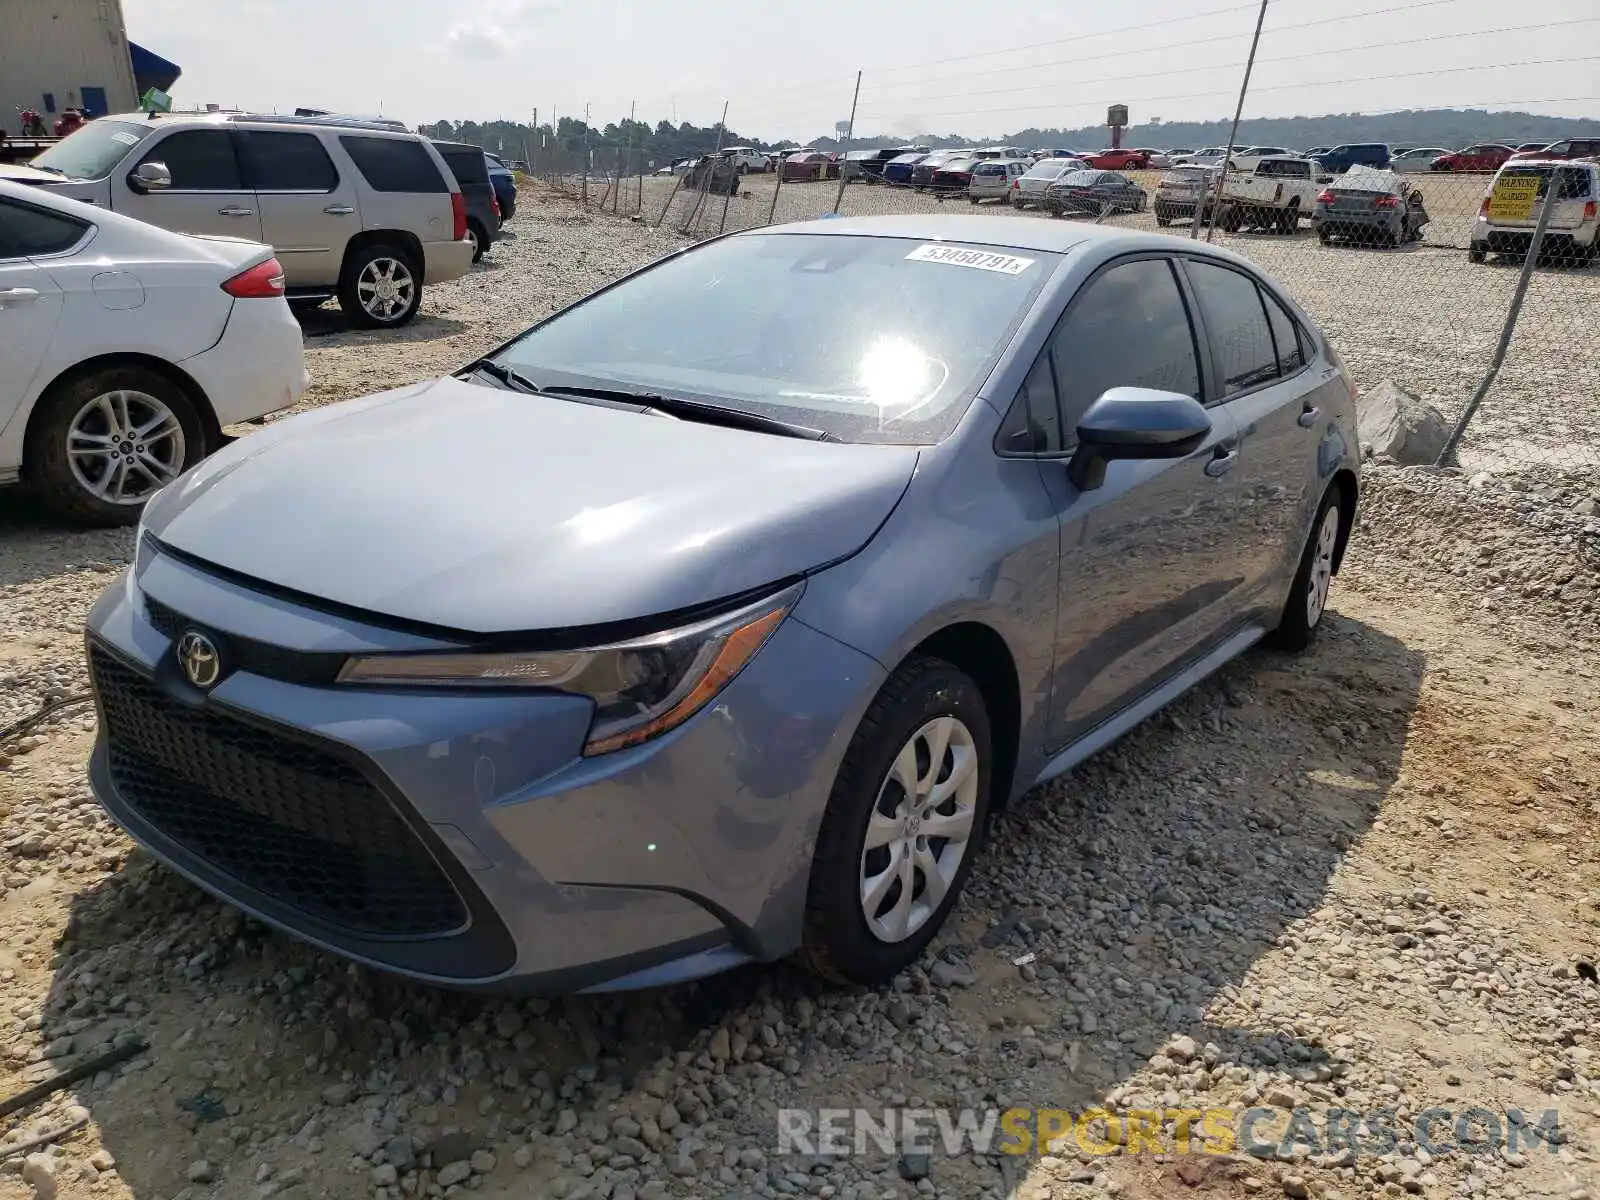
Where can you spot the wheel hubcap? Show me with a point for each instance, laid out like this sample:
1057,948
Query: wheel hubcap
919,830
124,446
385,287
1322,567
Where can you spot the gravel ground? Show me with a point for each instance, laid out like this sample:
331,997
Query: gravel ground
1364,877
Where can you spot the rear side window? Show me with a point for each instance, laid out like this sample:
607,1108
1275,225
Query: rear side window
467,166
1128,329
1236,323
200,160
287,162
1285,336
26,231
394,164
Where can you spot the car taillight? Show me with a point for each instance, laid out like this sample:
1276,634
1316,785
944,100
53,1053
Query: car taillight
1588,211
1483,209
458,216
1386,202
264,281
494,205
1017,185
1324,197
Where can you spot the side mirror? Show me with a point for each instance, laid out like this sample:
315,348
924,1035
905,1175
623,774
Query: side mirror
1132,422
151,177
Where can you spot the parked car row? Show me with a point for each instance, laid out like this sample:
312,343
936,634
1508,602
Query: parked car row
149,262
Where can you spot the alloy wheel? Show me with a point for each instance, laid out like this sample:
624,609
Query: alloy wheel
920,829
1321,577
385,287
124,446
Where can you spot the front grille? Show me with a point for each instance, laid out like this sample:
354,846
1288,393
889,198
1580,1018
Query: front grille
292,821
256,658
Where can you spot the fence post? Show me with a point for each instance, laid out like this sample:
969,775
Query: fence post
772,209
849,133
1227,155
671,196
1530,260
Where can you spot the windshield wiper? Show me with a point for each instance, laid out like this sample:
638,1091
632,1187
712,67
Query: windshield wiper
52,170
514,380
695,410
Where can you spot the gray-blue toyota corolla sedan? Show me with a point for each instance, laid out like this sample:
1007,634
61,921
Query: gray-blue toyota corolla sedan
709,620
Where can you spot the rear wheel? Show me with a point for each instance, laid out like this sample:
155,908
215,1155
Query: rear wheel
902,826
380,287
479,237
1475,255
1308,594
100,445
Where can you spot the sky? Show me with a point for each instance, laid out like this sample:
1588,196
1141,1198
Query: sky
787,68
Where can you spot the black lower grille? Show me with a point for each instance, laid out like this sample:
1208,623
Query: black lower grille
292,821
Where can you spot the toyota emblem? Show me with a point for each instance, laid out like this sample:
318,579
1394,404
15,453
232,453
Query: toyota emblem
198,657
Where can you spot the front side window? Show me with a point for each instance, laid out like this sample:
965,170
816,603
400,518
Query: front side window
1237,325
287,162
1128,329
871,339
200,160
26,231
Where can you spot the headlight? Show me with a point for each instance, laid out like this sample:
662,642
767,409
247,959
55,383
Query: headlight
640,688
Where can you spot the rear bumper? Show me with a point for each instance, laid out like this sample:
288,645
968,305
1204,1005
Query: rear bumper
1556,241
257,367
1360,227
543,872
446,261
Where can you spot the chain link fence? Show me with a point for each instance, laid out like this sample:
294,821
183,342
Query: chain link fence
1470,288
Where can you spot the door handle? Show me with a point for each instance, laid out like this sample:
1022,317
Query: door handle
17,295
1223,461
233,210
1308,417
339,210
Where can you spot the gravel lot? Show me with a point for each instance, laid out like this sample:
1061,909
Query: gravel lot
1365,877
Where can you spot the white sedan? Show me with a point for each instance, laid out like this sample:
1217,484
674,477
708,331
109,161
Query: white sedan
124,350
1411,162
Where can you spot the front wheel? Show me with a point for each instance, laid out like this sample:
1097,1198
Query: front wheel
101,445
902,827
1308,594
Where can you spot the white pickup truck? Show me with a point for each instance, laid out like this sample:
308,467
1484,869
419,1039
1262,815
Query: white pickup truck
1276,195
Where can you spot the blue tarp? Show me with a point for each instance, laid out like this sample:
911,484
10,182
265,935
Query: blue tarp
150,70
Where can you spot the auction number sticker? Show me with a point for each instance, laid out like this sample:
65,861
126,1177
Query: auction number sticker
126,138
981,260
1513,197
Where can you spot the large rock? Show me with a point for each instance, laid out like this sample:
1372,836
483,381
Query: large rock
1392,422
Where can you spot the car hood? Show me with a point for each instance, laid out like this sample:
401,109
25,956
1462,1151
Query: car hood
21,173
483,510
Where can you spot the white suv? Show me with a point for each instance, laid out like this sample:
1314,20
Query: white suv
748,159
355,209
1510,210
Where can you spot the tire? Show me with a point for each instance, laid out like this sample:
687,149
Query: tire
1474,255
479,237
1303,610
974,201
83,412
1324,236
1289,222
1163,221
368,265
927,698
1231,220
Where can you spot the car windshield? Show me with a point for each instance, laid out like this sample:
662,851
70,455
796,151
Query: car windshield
870,339
93,150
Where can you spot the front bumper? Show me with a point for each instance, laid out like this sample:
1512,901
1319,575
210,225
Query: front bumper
460,839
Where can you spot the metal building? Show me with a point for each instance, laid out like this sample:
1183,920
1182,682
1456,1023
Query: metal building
60,54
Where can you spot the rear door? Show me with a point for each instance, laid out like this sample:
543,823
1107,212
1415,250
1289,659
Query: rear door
1260,359
30,301
208,192
308,213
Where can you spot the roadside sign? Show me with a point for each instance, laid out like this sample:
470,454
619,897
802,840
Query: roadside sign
1512,198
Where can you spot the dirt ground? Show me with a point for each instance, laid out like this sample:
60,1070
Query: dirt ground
1364,877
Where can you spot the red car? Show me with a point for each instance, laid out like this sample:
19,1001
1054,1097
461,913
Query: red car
1571,148
1119,160
800,168
1486,156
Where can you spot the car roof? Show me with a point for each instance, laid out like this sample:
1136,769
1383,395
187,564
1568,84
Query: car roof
1008,232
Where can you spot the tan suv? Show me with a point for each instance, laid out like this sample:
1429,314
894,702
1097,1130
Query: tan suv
360,210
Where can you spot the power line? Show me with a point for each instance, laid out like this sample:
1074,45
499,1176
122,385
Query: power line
1145,51
1436,37
1542,62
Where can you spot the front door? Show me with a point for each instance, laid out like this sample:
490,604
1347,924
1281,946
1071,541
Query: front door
308,213
1149,574
208,192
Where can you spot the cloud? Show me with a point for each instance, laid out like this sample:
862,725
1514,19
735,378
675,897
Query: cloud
481,41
